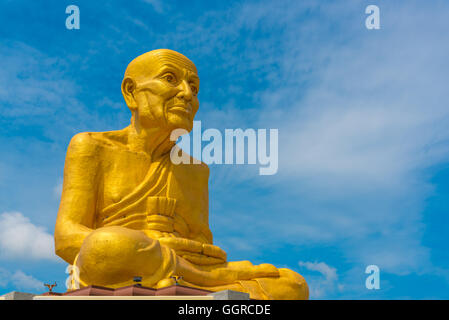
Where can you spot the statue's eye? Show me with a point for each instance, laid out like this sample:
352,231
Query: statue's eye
170,77
194,88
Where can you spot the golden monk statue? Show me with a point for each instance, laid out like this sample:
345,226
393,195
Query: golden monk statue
126,210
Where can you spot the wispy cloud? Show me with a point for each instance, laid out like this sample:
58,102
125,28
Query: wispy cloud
32,83
324,284
37,90
361,118
19,280
360,139
57,190
157,5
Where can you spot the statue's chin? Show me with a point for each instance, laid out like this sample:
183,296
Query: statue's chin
180,122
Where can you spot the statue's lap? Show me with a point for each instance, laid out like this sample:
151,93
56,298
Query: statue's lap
111,256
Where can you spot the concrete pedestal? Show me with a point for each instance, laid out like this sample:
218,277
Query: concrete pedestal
229,295
16,295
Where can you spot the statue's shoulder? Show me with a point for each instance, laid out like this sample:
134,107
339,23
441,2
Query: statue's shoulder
81,143
94,141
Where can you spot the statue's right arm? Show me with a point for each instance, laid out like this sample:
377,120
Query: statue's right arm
78,200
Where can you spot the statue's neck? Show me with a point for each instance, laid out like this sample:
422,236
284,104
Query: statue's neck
155,142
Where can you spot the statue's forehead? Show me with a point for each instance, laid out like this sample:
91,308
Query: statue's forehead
161,59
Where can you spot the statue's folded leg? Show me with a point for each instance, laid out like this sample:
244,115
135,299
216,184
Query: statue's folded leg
112,256
288,286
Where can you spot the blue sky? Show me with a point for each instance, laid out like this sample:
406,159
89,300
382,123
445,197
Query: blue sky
362,115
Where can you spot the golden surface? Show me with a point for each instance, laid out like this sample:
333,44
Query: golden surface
126,210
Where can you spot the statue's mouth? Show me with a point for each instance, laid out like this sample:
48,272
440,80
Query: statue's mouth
187,109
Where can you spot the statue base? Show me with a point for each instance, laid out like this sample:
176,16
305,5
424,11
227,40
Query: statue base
138,292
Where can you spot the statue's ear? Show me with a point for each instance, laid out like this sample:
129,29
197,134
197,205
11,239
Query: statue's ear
128,91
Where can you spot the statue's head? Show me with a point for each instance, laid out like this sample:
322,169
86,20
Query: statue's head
160,87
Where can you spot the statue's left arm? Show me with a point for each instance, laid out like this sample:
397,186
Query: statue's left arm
77,209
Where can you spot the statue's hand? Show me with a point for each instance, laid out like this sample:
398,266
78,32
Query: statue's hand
195,251
214,251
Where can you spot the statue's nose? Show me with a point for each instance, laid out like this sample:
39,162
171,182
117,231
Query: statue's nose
186,91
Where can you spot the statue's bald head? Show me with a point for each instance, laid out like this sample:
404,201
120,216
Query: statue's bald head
160,88
141,66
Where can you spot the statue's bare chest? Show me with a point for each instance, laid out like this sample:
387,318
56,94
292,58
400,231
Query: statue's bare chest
121,172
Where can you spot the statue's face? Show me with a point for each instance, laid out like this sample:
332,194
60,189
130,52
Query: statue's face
167,95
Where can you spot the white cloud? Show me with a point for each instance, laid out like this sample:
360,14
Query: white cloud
20,239
325,283
20,281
